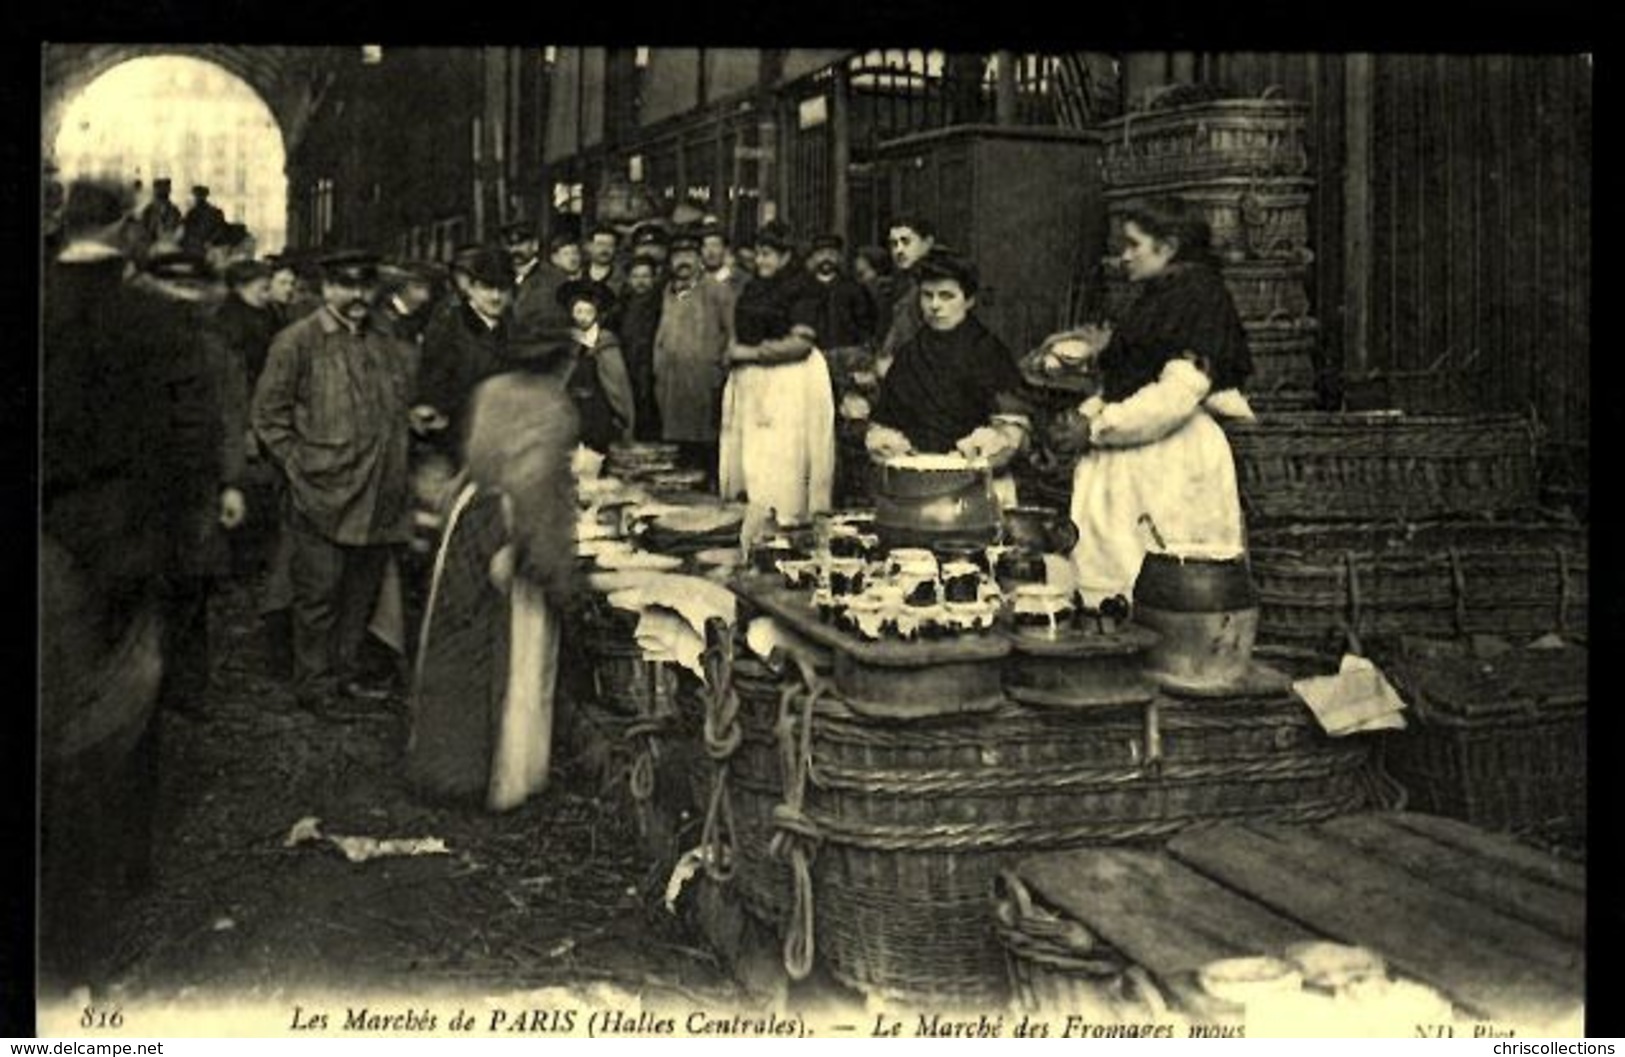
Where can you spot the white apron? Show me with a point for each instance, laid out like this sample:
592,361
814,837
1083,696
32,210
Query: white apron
778,438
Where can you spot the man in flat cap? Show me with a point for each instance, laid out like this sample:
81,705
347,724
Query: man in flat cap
845,316
650,240
332,410
637,318
202,222
696,328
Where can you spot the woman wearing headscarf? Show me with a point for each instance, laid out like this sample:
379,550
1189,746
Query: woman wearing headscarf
482,699
778,413
1155,467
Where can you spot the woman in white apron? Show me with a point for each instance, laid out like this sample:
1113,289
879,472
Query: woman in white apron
1156,469
778,412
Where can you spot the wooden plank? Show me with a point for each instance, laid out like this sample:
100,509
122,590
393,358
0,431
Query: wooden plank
1507,854
1557,909
1156,912
1487,962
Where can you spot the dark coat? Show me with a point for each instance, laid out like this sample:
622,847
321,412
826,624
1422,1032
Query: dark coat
843,312
459,352
536,300
637,320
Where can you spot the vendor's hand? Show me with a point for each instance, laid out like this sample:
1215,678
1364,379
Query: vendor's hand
233,508
1068,433
998,444
738,355
1097,335
500,569
883,442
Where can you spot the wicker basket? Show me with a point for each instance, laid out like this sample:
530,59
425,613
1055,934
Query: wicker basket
1518,580
1283,356
623,681
1251,219
916,821
1374,467
1228,137
1267,290
1518,764
756,783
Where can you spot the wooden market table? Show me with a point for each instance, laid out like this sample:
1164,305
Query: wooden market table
1493,925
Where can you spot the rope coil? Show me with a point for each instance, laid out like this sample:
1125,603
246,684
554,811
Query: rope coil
796,836
723,736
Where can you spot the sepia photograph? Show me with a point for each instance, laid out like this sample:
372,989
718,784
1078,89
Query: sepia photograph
661,542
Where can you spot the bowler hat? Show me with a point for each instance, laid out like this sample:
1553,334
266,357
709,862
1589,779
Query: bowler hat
351,266
490,266
600,295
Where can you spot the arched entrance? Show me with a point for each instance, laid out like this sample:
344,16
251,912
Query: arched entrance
185,118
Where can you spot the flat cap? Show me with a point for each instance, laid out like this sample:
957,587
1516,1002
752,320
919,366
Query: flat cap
350,266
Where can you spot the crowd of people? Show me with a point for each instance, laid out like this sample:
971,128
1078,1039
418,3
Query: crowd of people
384,447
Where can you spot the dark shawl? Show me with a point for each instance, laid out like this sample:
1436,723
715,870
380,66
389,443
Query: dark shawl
1186,309
944,385
768,308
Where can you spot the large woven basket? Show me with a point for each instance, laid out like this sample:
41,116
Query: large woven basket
756,783
1250,218
1227,137
1518,762
916,821
1318,583
1372,467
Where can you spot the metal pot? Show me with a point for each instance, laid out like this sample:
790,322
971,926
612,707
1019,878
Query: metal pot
1040,528
920,503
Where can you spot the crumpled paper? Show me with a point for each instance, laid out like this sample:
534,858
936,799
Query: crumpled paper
362,849
1356,700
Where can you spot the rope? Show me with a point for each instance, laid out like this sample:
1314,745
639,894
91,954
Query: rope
722,731
723,736
641,778
796,836
717,834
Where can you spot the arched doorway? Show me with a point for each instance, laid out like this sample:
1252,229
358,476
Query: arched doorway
187,119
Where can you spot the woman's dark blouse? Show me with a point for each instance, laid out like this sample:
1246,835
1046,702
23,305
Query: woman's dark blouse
943,385
1186,309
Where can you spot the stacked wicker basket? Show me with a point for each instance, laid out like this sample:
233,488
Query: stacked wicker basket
1385,532
1245,164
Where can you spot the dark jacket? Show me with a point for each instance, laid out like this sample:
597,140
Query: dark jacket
247,330
202,221
843,312
459,352
130,454
536,300
636,321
